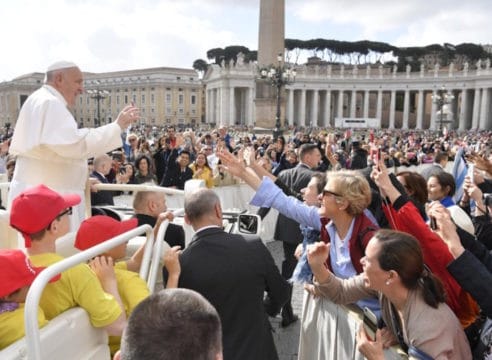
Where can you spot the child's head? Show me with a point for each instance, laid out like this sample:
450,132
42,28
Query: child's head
16,275
100,228
40,209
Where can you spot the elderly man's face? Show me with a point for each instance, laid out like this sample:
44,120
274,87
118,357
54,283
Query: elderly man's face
70,83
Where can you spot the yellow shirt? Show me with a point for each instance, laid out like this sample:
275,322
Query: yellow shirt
206,175
133,290
78,286
12,325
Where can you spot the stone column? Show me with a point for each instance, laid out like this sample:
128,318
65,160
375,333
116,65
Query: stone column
392,109
302,116
353,102
366,102
340,104
207,105
420,109
406,109
379,106
433,123
314,108
484,109
476,109
290,106
232,107
463,121
327,112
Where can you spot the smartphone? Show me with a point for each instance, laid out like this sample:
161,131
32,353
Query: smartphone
433,223
370,323
471,168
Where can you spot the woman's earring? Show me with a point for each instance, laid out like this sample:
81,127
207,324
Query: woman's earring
387,282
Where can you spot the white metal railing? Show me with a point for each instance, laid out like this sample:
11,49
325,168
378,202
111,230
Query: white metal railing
137,187
152,254
33,341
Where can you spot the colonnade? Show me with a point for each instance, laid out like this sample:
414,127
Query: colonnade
399,100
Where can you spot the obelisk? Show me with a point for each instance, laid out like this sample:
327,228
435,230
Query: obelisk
271,43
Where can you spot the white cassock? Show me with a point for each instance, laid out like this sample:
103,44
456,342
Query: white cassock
51,150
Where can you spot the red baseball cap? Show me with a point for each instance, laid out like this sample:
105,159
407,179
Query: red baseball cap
35,208
100,228
16,271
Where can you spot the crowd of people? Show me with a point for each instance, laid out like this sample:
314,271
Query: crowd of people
359,223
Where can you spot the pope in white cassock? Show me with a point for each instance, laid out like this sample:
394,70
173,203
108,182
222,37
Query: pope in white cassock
50,149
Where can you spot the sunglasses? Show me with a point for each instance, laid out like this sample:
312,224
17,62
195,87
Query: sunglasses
328,192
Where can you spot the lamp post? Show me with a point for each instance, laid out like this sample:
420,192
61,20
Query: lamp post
441,98
98,95
279,75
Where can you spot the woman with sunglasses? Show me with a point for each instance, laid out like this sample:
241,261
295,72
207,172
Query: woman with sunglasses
341,219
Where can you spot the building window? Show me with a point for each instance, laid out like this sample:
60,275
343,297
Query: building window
152,98
143,98
181,110
181,99
117,99
134,99
168,111
168,98
193,99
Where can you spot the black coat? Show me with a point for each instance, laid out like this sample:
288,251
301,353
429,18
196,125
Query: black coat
296,179
233,273
101,197
175,234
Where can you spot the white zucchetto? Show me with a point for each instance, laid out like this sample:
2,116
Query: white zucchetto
61,65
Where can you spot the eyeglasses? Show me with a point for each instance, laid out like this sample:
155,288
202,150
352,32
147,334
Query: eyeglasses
132,140
328,192
65,212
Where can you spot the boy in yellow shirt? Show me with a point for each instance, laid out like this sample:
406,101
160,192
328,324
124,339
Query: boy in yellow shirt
42,216
131,287
16,275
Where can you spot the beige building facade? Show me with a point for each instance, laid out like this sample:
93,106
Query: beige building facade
165,96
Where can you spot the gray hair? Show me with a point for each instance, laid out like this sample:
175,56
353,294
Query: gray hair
199,203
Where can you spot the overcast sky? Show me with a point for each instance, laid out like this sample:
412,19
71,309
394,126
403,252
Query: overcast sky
112,35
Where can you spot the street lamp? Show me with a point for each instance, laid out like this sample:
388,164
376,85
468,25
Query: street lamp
441,98
278,75
98,95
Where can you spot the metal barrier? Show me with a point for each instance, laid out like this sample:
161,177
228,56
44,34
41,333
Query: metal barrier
33,296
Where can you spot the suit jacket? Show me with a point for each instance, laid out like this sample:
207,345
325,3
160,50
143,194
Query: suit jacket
296,179
173,175
101,197
233,273
175,234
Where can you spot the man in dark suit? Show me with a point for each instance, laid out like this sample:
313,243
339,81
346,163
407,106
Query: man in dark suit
102,166
287,230
232,272
148,205
177,172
